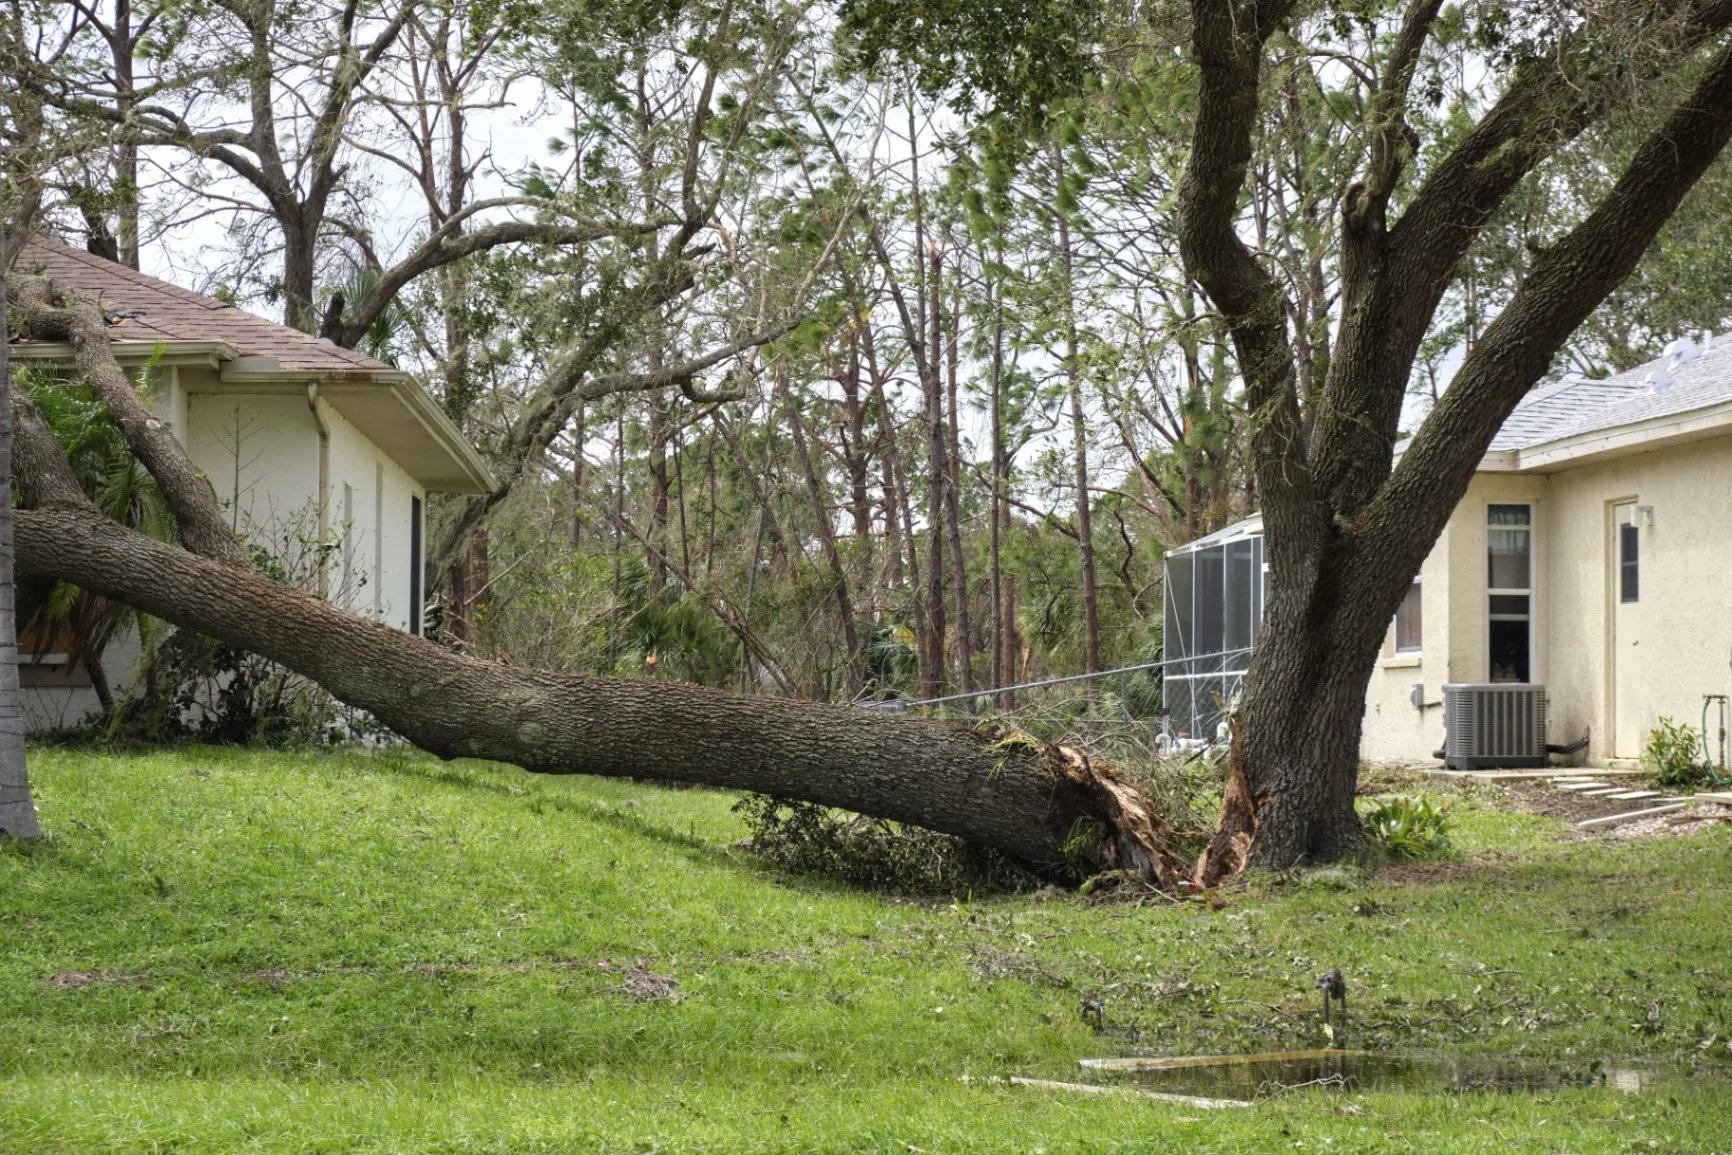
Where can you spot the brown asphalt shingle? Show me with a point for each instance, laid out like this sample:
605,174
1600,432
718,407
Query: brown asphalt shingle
172,313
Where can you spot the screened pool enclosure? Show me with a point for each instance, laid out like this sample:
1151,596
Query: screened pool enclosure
1214,607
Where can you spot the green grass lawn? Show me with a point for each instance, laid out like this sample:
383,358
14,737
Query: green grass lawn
220,951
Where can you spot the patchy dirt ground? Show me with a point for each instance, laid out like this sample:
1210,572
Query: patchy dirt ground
1571,806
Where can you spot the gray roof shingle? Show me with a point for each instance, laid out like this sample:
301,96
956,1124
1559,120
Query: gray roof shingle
1573,406
171,313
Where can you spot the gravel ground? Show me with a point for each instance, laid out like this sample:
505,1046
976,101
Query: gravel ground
1662,825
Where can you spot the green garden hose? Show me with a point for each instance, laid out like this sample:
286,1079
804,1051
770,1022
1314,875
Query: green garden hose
1707,750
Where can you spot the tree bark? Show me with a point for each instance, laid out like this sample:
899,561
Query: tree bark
17,809
937,481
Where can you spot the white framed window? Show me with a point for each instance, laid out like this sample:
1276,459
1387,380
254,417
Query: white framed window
1509,592
347,595
1409,622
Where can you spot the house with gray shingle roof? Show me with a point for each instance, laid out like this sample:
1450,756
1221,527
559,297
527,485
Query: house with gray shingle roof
1592,555
322,456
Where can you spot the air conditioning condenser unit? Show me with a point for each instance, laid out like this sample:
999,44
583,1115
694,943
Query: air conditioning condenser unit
1494,724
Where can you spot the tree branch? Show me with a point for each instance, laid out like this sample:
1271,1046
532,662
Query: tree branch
443,248
1566,283
202,526
1227,41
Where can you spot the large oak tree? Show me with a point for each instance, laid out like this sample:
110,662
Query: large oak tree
1347,523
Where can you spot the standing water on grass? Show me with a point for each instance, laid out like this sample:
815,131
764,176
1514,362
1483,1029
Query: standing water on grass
1258,1076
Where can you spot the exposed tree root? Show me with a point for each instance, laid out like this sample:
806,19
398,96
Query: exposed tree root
1229,852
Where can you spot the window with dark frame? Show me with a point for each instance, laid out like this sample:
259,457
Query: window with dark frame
1409,632
1509,588
1629,569
415,565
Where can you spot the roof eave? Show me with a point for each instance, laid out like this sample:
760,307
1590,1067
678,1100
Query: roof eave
1623,440
440,427
404,388
163,351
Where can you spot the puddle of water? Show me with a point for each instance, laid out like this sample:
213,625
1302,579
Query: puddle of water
1259,1076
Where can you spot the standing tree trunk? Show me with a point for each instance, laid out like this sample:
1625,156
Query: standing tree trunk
300,266
1079,434
937,482
658,473
953,493
579,436
17,810
827,537
995,418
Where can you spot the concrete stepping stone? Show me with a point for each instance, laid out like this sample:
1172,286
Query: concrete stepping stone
1602,792
1635,794
1583,785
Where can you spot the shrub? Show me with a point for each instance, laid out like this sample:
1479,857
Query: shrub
1673,757
1409,828
197,689
805,838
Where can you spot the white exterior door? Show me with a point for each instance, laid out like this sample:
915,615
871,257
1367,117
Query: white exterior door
1629,721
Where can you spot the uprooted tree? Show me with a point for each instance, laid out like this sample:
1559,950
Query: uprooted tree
1043,805
1347,525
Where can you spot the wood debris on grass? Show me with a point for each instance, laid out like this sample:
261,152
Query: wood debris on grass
1198,1101
1670,823
1183,1062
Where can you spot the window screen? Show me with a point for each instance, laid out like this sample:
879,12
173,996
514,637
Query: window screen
1408,623
1176,639
1629,569
1239,605
1210,601
1256,586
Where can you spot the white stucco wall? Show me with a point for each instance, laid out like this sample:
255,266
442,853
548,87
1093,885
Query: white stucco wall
1685,629
377,541
261,454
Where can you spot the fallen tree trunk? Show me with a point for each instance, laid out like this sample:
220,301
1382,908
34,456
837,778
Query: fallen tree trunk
1044,805
1028,799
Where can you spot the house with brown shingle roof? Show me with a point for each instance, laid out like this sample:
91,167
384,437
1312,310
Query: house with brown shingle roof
322,456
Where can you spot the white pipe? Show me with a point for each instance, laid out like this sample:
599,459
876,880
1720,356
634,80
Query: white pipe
324,483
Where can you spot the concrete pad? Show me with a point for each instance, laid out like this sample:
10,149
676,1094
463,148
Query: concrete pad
1635,794
1601,793
1721,796
1580,786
